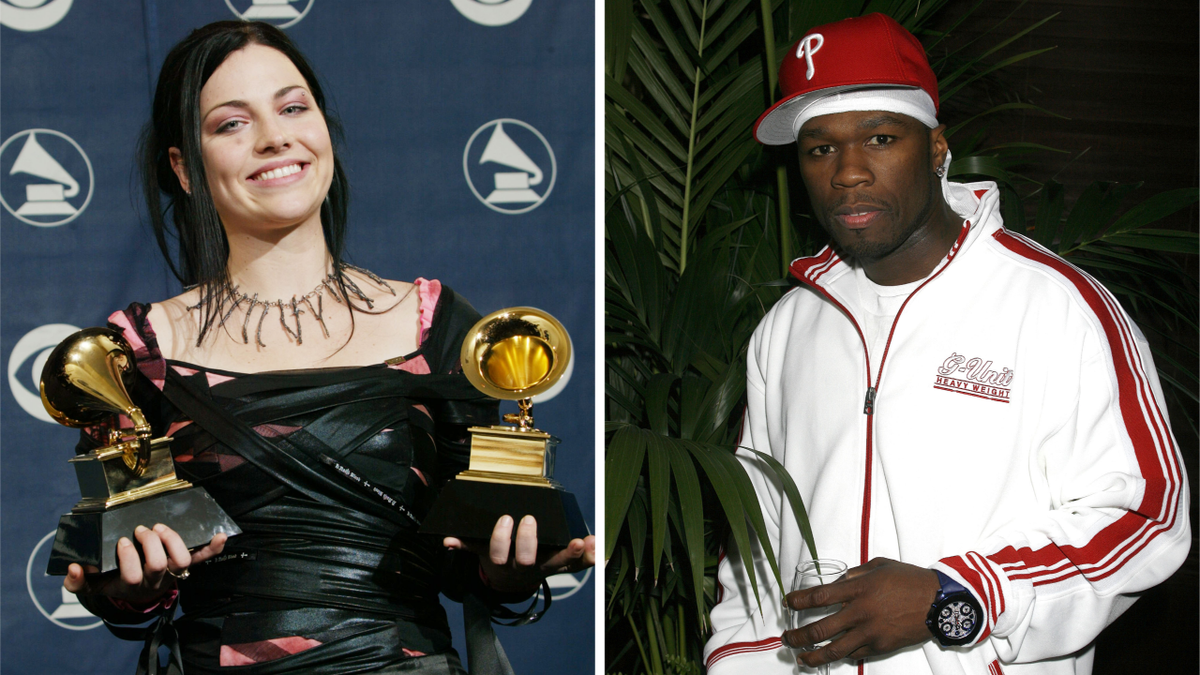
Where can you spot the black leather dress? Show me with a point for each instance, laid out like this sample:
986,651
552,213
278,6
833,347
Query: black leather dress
329,575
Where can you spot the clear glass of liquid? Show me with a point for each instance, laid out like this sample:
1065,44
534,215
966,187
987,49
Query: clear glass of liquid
810,574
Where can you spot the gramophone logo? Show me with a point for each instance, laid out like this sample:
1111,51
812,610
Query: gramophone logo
32,15
49,596
42,170
563,586
37,343
281,13
509,166
492,12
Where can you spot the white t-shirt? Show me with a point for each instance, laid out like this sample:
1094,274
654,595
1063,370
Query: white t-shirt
880,305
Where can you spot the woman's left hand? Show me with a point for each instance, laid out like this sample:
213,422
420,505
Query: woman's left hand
520,568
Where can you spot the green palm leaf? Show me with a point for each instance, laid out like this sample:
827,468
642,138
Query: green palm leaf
698,233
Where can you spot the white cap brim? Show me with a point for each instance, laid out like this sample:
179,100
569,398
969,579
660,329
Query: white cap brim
781,124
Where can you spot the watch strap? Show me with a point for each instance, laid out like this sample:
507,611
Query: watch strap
949,585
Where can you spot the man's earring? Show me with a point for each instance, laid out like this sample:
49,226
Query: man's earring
941,172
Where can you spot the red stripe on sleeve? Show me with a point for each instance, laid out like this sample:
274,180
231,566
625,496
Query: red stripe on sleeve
978,588
1145,426
995,596
742,648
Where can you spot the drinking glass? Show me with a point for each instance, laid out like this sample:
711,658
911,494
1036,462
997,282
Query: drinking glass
809,574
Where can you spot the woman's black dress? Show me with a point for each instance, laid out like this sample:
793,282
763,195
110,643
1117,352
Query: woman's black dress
329,575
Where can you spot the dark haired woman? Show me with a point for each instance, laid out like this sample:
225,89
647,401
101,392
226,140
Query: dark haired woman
278,360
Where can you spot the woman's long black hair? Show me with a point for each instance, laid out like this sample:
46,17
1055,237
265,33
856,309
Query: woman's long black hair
203,249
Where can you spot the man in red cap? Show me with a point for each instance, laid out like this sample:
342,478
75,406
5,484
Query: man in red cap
975,426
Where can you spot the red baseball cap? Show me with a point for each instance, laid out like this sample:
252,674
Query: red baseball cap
870,52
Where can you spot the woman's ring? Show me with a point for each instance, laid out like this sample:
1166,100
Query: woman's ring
180,576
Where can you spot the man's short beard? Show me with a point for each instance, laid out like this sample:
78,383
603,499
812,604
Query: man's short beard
871,251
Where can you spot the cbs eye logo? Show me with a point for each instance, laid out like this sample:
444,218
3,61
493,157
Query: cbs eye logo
563,586
492,12
54,602
33,15
37,343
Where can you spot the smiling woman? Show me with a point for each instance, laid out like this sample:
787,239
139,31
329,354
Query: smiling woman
267,151
240,168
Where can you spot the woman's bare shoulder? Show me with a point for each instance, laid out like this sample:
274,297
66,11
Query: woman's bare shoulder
384,294
392,326
173,323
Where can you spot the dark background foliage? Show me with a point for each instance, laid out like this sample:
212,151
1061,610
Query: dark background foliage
1126,79
1086,114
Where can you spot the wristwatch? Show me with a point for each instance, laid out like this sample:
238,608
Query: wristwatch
955,616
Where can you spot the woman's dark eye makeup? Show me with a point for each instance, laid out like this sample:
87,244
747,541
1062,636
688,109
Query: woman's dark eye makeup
228,125
294,108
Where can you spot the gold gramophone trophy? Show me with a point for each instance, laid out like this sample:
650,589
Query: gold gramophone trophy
513,354
129,482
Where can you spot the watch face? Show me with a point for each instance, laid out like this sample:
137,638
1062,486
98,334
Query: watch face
957,620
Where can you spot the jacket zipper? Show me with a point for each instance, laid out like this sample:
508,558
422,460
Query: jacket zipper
873,390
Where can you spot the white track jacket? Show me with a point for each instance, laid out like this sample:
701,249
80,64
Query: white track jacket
1018,443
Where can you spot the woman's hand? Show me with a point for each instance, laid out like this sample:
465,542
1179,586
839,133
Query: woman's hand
138,582
521,568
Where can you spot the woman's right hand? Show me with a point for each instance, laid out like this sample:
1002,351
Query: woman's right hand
138,582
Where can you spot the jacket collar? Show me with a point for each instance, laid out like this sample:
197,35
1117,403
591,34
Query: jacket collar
977,203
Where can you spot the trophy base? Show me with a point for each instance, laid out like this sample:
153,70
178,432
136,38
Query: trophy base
91,538
508,479
469,510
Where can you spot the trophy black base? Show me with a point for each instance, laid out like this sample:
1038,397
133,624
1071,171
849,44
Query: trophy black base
91,538
469,509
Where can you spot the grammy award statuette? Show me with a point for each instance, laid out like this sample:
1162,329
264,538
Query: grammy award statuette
513,354
130,481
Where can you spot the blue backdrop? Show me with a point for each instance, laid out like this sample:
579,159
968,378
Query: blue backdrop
430,94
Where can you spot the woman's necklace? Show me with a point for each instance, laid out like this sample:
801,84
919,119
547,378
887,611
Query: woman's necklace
228,298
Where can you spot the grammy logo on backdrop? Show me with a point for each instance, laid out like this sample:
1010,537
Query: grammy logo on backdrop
511,186
515,168
47,187
44,199
270,9
279,13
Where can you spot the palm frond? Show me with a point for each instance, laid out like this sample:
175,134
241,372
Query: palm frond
698,232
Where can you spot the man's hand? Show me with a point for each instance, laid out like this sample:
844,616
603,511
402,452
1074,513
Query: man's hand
884,605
